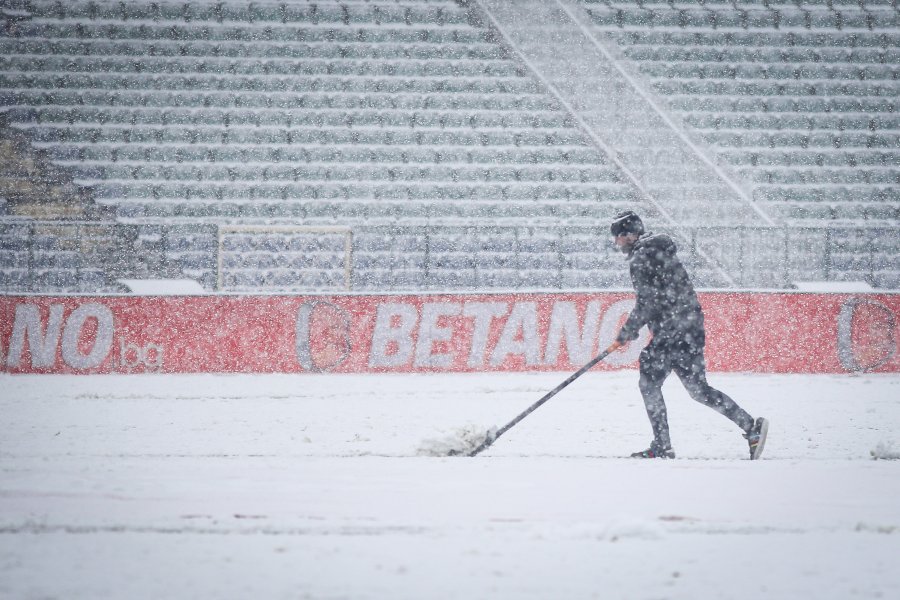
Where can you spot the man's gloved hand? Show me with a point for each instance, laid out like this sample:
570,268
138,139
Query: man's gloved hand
614,346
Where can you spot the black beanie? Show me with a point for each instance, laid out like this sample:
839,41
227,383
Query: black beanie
626,222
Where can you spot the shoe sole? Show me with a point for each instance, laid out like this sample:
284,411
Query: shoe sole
763,432
663,456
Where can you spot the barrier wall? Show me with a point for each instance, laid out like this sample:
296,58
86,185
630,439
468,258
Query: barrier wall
755,332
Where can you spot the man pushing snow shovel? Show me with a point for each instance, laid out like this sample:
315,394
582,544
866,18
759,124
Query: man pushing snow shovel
667,303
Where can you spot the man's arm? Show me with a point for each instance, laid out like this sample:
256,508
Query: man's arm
641,275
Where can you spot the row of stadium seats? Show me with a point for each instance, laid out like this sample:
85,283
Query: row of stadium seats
281,138
771,40
112,154
156,173
300,117
794,175
461,206
830,193
421,31
277,84
848,140
461,209
324,49
435,146
798,105
261,68
819,157
251,101
815,49
269,68
796,70
345,13
785,120
777,88
334,154
773,56
785,16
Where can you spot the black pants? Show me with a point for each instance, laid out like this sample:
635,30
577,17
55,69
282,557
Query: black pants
683,354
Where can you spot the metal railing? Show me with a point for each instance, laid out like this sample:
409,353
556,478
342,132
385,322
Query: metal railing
761,256
473,257
288,233
61,255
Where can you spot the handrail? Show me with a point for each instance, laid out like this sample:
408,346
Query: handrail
664,115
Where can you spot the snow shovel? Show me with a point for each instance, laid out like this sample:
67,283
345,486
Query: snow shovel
492,436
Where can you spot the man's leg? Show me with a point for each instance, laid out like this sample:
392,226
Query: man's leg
690,366
654,370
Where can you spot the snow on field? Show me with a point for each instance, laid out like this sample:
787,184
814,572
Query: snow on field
313,487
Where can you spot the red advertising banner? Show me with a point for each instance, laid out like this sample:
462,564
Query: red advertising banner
753,332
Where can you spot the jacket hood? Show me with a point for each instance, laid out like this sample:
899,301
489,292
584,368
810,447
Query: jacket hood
659,242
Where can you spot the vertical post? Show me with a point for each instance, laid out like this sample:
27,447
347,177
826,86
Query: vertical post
518,253
473,262
218,257
870,247
560,259
348,260
786,263
31,271
427,266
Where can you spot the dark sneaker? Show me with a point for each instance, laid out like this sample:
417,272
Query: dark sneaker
654,451
757,437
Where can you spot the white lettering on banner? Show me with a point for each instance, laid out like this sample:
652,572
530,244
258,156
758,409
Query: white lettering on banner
872,356
609,329
338,321
64,334
484,313
580,339
406,336
71,354
132,356
519,336
27,325
430,332
386,337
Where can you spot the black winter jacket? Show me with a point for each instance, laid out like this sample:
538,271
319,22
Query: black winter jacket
666,300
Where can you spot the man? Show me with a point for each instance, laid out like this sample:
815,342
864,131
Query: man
667,303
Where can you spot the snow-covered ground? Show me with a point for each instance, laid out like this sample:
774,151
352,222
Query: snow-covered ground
311,486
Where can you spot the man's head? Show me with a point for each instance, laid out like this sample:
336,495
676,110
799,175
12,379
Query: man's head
626,228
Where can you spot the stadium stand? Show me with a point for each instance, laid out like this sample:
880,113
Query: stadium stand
402,144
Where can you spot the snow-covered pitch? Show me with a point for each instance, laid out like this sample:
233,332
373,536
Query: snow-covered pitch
316,486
